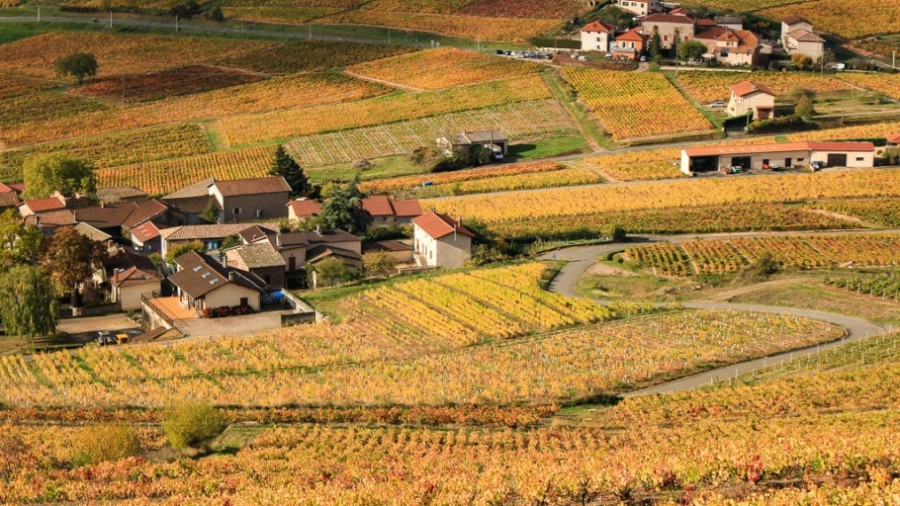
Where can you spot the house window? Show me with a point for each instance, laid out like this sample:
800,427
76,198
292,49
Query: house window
665,38
259,213
800,159
245,301
860,159
236,210
212,245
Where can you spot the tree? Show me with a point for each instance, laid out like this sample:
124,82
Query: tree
801,60
78,65
288,168
57,172
210,213
191,424
676,40
28,305
691,50
614,231
655,43
804,108
766,265
330,272
72,259
19,244
179,249
378,263
215,14
344,210
891,156
797,93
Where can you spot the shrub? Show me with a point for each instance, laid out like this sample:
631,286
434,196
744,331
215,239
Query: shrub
614,232
100,443
191,424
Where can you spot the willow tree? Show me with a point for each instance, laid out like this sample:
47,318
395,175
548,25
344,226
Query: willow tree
28,305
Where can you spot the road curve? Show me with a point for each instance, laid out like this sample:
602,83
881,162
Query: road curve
581,258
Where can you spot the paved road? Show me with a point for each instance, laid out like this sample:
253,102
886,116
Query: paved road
581,258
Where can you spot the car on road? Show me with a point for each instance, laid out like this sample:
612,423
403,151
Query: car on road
717,103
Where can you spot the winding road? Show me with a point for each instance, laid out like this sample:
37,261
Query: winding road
580,258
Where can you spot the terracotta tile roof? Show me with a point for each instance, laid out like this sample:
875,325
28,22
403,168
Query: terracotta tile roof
803,35
893,138
58,218
407,208
745,88
780,147
191,232
17,187
259,255
114,194
145,211
437,225
711,33
146,232
44,205
680,11
748,39
305,208
104,217
253,186
668,18
794,20
632,35
378,205
136,268
6,189
598,26
705,22
92,232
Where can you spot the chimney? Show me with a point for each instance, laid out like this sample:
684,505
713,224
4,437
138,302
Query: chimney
230,275
116,276
278,240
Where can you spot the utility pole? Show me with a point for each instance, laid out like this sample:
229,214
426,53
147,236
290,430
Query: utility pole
39,14
176,23
110,18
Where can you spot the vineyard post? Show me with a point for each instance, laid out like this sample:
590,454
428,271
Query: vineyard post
176,23
110,18
39,14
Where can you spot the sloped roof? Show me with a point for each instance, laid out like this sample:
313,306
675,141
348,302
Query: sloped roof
135,268
794,20
291,240
255,233
437,225
114,194
145,211
330,235
252,186
9,199
199,274
804,35
378,205
322,251
198,189
91,232
389,246
407,208
745,88
44,205
467,137
680,11
17,187
104,216
780,147
633,35
259,255
305,207
58,218
893,138
191,232
669,18
598,26
146,232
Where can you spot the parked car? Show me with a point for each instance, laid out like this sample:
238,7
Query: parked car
643,58
818,165
499,51
608,55
104,338
717,103
839,66
427,183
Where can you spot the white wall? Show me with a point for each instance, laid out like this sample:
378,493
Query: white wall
453,252
230,295
595,41
853,157
129,297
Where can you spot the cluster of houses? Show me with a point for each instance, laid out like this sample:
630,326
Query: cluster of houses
725,38
260,258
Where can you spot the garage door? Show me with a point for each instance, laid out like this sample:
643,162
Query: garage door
837,160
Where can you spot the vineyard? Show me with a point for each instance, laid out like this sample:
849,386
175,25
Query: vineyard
884,284
553,203
640,165
309,55
166,176
517,121
720,256
15,86
872,17
511,177
287,367
708,87
250,129
629,105
119,149
889,84
443,68
167,83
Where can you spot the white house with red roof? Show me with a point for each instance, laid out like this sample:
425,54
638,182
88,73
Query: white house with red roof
640,7
597,36
440,241
893,139
786,154
749,97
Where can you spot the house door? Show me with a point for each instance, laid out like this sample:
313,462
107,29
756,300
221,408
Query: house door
292,263
787,162
836,160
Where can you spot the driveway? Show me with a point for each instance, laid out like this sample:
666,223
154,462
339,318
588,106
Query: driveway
232,325
84,329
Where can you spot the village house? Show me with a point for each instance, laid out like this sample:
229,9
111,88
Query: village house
146,238
385,211
798,37
246,200
630,44
465,141
211,236
893,140
730,46
302,209
261,259
9,197
671,27
40,206
192,200
202,283
640,7
130,274
748,97
785,154
597,36
440,241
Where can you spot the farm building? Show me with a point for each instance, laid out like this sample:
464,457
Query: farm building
749,97
788,154
893,140
484,138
